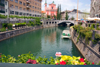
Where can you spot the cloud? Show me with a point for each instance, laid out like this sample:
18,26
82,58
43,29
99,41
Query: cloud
68,4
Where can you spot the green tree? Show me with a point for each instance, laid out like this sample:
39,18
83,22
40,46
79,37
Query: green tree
66,16
48,16
72,18
58,13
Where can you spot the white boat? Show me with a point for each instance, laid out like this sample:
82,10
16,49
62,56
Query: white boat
66,34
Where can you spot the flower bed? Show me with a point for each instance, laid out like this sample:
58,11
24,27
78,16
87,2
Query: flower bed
59,60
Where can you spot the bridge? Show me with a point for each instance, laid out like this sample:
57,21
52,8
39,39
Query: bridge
51,23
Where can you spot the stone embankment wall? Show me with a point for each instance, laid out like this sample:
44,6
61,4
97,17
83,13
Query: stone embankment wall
12,33
89,51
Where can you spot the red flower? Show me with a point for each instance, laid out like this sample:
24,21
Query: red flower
62,63
81,60
85,64
0,55
57,64
31,61
93,63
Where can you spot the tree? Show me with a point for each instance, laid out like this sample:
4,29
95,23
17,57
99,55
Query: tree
72,18
66,16
59,12
55,17
48,16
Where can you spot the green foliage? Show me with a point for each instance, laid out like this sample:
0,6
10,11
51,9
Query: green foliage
37,21
98,26
48,16
20,24
97,38
66,16
83,32
2,29
72,18
3,16
9,26
59,12
93,26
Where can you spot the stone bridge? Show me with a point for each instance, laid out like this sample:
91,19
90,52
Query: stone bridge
51,23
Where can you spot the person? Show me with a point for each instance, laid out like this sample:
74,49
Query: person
6,29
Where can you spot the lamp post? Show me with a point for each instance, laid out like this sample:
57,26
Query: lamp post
77,9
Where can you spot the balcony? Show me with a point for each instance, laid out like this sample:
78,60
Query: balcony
28,2
28,7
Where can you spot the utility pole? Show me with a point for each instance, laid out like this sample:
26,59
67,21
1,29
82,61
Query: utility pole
77,9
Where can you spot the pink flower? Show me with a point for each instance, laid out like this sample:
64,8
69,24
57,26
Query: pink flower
18,55
58,54
85,64
62,63
57,64
81,60
93,63
31,62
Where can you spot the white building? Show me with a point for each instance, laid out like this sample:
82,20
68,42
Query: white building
73,13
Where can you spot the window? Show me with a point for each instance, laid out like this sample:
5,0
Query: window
33,6
11,0
11,6
27,13
20,8
30,10
16,1
23,13
52,7
16,7
16,13
20,13
33,10
20,2
11,12
24,4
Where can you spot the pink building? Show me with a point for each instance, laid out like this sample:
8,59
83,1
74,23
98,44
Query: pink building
51,10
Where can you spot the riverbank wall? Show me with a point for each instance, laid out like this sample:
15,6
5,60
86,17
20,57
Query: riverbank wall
89,51
8,34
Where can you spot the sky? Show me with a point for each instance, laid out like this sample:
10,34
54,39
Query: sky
84,5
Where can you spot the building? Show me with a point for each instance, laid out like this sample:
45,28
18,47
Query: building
2,7
51,10
24,7
95,8
73,14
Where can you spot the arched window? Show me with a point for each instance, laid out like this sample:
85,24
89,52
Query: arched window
52,7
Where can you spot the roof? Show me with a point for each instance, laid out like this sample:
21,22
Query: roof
42,11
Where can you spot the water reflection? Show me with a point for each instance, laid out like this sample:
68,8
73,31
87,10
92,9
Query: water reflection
43,42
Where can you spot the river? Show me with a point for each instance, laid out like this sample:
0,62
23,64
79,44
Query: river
43,42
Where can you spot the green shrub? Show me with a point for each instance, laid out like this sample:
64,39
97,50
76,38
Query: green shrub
3,16
9,26
3,29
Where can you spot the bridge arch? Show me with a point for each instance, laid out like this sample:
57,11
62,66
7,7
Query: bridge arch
66,23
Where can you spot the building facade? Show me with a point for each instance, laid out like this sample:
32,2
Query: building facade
24,7
2,7
73,14
51,10
95,8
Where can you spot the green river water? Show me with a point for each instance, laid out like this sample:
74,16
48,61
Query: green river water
43,42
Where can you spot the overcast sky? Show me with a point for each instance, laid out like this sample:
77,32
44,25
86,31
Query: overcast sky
84,5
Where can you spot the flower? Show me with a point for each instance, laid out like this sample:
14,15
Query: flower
93,63
57,63
62,63
81,60
18,55
58,54
85,64
31,61
0,55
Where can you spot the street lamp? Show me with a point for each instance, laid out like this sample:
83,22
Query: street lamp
77,9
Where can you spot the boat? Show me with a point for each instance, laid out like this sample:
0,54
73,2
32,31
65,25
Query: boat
66,34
